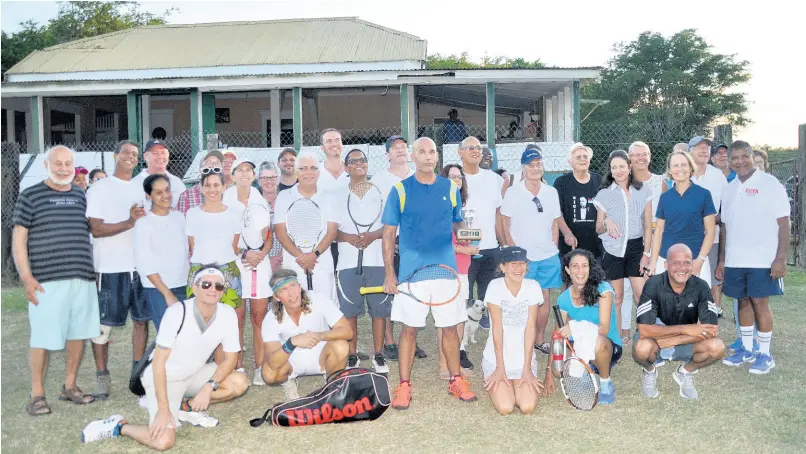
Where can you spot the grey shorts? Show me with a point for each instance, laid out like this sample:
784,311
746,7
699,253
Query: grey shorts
351,301
713,257
684,352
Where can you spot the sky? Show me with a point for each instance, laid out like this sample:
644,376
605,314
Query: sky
768,34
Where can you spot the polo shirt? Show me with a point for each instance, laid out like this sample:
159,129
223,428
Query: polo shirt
660,302
484,196
530,228
715,183
750,211
683,217
327,183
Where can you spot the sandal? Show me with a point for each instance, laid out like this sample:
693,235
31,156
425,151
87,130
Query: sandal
544,347
76,396
37,406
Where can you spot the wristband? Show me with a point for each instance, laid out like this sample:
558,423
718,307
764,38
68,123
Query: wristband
288,347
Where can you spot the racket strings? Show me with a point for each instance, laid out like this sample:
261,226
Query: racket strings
364,204
579,385
434,284
255,219
304,224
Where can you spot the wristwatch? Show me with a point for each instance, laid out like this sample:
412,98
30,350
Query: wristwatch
317,253
214,384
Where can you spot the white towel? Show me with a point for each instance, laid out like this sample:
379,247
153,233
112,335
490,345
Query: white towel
585,334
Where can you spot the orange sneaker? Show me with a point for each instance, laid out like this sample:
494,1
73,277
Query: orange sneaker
460,388
402,397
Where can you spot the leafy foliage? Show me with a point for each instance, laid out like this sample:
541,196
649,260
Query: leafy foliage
463,61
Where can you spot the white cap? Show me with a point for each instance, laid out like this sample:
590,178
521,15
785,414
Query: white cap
242,161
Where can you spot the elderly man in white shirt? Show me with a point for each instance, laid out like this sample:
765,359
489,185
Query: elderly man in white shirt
157,157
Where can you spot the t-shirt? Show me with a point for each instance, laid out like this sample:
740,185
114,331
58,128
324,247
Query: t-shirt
530,228
453,131
628,214
58,233
323,316
660,302
576,202
191,348
327,183
715,183
484,196
426,223
514,315
212,235
177,187
591,313
282,187
329,214
365,209
230,199
683,217
750,212
161,247
385,179
110,200
655,184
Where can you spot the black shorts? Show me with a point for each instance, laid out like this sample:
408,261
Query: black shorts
120,294
618,351
628,266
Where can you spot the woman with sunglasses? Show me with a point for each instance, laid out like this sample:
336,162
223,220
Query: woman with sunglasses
268,178
624,223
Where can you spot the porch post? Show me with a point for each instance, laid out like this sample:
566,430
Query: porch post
134,112
568,118
548,119
404,112
77,125
196,115
145,109
555,115
491,122
37,139
297,105
11,125
575,108
276,123
560,119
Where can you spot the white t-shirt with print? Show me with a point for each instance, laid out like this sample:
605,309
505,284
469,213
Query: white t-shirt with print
484,196
230,199
161,247
177,187
323,316
110,200
348,254
715,182
329,214
514,315
531,229
212,235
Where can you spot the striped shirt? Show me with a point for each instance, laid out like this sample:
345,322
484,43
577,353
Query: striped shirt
628,214
58,233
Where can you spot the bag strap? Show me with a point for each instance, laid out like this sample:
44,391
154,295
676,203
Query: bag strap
182,323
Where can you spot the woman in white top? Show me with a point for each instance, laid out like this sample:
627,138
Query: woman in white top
508,361
624,223
267,178
237,197
161,249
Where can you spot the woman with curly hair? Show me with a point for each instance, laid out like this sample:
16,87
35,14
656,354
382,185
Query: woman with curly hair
305,334
589,297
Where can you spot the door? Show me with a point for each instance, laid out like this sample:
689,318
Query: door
163,118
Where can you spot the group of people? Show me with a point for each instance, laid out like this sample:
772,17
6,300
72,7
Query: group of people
147,246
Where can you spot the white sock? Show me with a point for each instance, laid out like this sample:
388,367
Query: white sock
604,380
764,340
683,370
747,337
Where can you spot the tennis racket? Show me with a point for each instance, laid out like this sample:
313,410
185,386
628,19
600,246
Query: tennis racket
304,225
577,379
255,222
364,205
433,294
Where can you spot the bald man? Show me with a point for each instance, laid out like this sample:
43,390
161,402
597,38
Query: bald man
677,321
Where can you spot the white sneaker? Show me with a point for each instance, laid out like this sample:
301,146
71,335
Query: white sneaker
102,429
290,390
197,418
258,380
143,402
241,370
379,364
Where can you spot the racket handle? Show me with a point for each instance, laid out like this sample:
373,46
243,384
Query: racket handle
558,316
254,282
310,280
359,270
369,290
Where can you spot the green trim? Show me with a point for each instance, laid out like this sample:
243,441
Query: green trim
404,111
36,125
297,104
195,121
575,109
491,122
134,112
208,113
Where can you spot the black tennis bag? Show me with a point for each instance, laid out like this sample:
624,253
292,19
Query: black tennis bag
349,395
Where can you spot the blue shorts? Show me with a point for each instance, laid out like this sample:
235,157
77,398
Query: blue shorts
68,310
119,294
547,273
156,302
751,282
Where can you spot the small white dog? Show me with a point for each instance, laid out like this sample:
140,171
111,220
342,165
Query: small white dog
474,313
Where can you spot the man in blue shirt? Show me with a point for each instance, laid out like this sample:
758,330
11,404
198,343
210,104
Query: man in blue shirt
719,159
427,209
453,130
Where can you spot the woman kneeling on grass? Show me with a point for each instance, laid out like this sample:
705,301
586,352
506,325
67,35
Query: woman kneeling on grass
508,361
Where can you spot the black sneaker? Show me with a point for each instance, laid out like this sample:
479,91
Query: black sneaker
353,361
420,353
464,361
390,352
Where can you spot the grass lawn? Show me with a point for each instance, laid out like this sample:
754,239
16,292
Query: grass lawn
736,412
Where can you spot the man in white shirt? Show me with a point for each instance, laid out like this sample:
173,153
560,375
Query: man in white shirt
752,258
114,205
319,261
332,174
157,157
530,214
305,334
180,383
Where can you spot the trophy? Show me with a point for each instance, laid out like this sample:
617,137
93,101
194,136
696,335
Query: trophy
469,233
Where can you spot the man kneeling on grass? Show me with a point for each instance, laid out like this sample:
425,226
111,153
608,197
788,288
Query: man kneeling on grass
677,321
180,383
305,334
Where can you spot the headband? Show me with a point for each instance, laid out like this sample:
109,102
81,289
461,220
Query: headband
210,271
283,282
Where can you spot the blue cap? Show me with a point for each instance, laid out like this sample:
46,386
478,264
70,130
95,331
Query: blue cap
716,148
698,140
513,254
153,143
531,153
391,140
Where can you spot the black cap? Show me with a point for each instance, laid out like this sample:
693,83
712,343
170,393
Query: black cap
153,143
513,254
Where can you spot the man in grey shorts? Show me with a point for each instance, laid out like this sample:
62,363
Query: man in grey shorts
348,281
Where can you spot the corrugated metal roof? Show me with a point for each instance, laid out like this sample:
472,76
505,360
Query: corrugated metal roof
291,41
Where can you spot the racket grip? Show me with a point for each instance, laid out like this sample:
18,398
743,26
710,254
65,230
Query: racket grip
368,290
360,268
310,280
558,316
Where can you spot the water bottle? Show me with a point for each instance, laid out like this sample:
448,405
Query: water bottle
557,354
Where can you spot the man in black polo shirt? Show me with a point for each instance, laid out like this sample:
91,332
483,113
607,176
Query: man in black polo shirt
677,321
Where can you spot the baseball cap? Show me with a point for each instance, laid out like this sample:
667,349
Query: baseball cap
83,170
530,154
392,139
153,143
242,161
696,140
229,152
513,254
286,151
213,153
453,111
716,148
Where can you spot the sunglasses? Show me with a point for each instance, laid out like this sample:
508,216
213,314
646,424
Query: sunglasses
267,178
209,170
205,285
538,205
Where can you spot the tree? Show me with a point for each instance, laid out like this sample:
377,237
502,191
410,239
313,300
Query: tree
663,81
75,20
463,61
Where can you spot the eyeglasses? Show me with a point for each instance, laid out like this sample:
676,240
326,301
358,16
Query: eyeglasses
268,178
455,177
538,205
582,157
309,169
205,285
356,161
209,170
472,148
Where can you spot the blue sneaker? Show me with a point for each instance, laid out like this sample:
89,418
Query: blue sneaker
737,344
484,323
763,364
740,357
607,393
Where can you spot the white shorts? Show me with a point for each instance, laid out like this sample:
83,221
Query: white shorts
263,273
324,279
305,361
177,390
408,311
464,290
705,271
